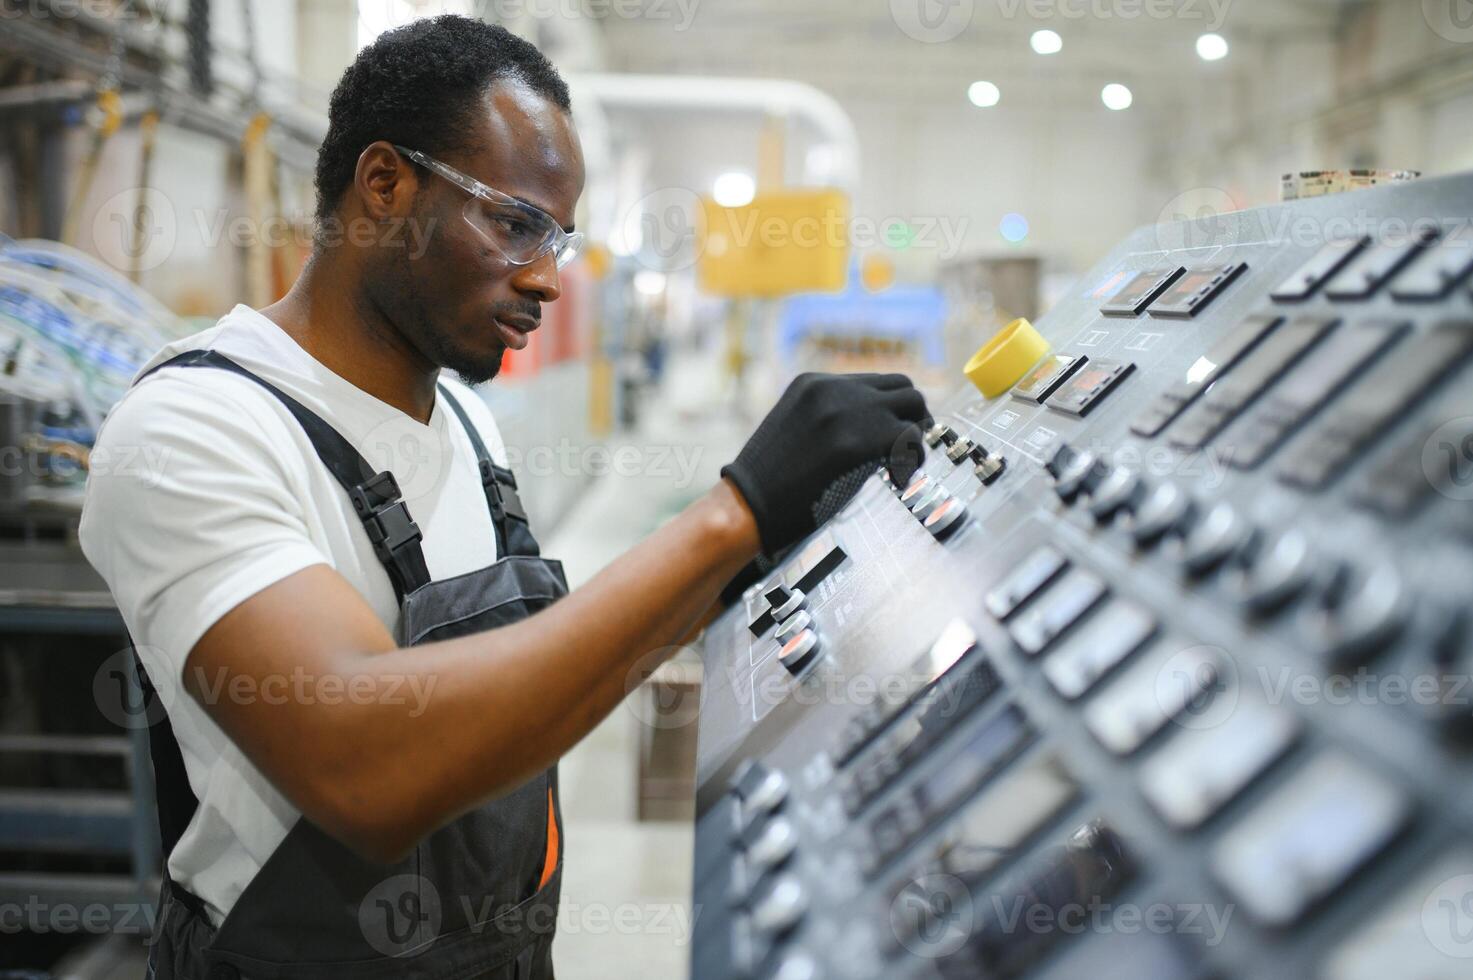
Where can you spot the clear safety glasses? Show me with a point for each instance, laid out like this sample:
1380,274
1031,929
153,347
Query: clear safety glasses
520,232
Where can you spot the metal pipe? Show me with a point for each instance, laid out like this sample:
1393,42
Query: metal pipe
775,96
297,131
45,94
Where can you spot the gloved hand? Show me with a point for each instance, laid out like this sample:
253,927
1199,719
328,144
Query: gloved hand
823,428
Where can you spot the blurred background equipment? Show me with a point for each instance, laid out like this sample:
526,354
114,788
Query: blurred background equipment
776,188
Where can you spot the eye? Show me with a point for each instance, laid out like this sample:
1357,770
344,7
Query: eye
514,227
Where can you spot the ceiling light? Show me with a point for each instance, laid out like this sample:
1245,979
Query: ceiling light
1047,42
983,94
1013,227
648,282
1116,96
734,189
1212,47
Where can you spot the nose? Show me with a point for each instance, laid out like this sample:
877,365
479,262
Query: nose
539,278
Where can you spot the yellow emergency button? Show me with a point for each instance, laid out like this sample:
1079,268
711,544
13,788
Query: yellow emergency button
999,363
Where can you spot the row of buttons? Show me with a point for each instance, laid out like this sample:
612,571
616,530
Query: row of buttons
956,641
1335,815
1357,610
758,842
987,466
1176,293
797,638
938,511
952,698
1353,269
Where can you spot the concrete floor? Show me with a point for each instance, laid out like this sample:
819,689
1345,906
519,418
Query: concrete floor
626,887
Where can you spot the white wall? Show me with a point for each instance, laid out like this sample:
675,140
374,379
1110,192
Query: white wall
1077,174
1384,91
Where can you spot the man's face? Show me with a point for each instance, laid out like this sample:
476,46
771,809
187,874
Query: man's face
456,298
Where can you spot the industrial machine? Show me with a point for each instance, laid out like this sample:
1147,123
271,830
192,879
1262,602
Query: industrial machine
1161,666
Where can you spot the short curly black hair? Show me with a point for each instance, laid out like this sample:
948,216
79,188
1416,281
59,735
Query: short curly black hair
416,86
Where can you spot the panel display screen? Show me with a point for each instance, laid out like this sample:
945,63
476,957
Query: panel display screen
1190,294
1137,294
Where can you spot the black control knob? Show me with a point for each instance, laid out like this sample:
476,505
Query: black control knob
762,792
773,845
1062,459
784,601
1081,473
756,781
960,450
935,434
1165,510
1121,491
1358,613
987,466
1220,534
1275,572
781,907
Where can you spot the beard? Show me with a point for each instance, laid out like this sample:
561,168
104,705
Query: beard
472,353
472,368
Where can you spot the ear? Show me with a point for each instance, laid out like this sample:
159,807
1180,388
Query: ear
384,181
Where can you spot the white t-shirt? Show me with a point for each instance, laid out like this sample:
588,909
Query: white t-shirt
204,490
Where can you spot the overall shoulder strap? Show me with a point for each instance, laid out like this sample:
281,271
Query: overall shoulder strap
175,800
500,485
375,496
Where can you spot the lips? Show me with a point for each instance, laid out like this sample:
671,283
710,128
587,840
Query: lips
514,330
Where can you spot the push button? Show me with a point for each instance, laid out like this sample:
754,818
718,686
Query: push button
1165,511
1219,535
912,493
1122,490
959,450
1036,571
1276,573
761,789
782,907
929,501
1075,472
797,965
798,652
948,516
772,846
1358,613
987,466
1074,595
1307,838
792,626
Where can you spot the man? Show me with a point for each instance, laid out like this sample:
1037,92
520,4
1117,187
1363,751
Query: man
376,673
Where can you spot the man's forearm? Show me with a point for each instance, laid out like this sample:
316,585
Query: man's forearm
505,704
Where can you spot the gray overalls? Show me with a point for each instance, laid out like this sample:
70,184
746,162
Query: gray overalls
478,897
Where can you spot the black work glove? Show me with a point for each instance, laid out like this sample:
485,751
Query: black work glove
825,428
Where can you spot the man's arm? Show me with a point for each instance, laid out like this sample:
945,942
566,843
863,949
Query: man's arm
379,769
412,738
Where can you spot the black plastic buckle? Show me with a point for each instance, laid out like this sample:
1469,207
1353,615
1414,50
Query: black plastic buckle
501,489
493,490
387,520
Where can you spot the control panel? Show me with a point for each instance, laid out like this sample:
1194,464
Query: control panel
1161,666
